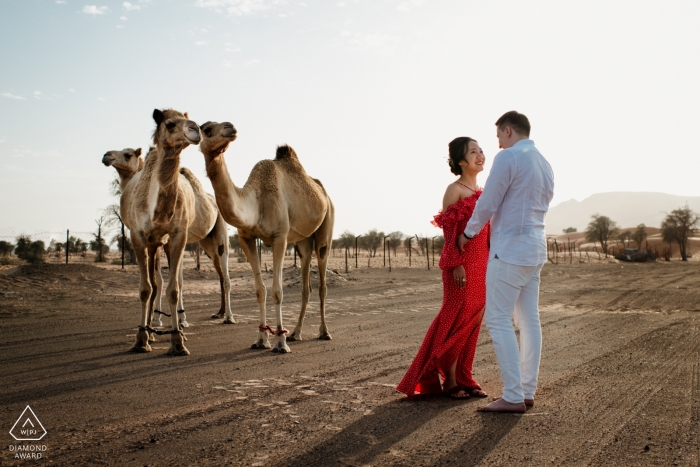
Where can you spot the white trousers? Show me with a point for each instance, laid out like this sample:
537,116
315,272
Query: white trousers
512,294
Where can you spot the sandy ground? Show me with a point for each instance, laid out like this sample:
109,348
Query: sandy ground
620,378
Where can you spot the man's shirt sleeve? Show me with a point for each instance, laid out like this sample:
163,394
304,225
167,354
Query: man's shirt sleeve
497,184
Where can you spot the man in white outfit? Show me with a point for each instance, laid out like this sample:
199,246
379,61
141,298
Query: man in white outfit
515,199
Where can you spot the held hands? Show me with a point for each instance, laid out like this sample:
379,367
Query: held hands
462,242
459,276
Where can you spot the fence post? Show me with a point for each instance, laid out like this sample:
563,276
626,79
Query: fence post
434,249
295,256
197,255
385,254
409,251
67,232
346,259
427,253
356,250
123,243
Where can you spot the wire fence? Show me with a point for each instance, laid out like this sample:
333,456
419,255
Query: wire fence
409,252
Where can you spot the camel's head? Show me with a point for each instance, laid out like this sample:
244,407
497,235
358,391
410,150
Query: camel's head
174,129
216,137
128,161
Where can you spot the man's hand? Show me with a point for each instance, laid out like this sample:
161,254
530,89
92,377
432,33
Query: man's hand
462,242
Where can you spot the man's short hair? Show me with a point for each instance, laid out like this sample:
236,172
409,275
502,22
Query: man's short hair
517,121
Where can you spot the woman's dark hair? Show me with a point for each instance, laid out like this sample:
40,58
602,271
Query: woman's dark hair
458,150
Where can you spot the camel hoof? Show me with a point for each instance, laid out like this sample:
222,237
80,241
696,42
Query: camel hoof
177,346
157,323
217,316
152,337
229,321
141,344
294,337
178,351
261,345
284,349
184,324
325,337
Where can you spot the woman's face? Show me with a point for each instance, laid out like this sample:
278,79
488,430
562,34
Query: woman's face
474,159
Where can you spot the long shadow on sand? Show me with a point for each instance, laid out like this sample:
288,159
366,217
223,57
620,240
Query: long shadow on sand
491,430
365,439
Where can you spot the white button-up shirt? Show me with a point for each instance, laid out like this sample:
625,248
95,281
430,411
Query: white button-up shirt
515,199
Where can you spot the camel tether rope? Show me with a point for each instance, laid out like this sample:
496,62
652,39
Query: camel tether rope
274,333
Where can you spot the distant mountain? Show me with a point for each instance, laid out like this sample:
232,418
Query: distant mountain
628,209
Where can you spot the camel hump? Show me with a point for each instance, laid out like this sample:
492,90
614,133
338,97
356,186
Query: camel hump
285,152
190,177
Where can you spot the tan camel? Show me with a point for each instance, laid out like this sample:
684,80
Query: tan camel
279,204
163,206
127,162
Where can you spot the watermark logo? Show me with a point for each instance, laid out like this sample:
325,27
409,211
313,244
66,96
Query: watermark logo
28,427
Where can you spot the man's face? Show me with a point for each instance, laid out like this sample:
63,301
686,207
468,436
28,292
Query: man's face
503,136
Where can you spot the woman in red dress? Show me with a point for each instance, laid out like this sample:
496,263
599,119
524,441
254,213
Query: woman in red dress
449,347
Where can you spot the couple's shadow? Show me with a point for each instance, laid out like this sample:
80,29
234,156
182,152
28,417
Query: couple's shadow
376,433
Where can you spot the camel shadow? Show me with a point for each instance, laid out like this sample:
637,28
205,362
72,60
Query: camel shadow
373,434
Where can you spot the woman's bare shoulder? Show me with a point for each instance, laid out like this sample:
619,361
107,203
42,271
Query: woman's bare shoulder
452,195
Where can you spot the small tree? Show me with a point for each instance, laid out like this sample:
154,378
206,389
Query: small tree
569,230
395,241
347,240
99,245
6,248
625,237
30,251
640,235
601,229
371,241
678,226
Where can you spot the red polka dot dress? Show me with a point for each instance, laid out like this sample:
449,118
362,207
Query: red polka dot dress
455,330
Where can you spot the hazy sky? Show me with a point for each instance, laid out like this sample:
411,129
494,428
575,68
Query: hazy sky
368,93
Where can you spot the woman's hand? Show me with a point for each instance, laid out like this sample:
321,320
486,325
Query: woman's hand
459,276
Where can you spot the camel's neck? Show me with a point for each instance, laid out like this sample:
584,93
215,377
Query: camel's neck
167,175
125,177
236,206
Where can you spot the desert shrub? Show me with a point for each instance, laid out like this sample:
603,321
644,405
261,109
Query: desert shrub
30,251
6,248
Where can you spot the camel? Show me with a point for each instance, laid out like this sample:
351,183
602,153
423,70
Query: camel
127,162
163,206
279,204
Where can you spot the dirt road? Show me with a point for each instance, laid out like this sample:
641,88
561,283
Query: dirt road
620,378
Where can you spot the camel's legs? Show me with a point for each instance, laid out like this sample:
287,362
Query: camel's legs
180,302
248,247
322,258
158,281
177,249
141,344
305,249
279,245
219,256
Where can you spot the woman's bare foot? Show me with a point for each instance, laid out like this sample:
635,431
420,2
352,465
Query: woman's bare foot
503,406
477,392
457,392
